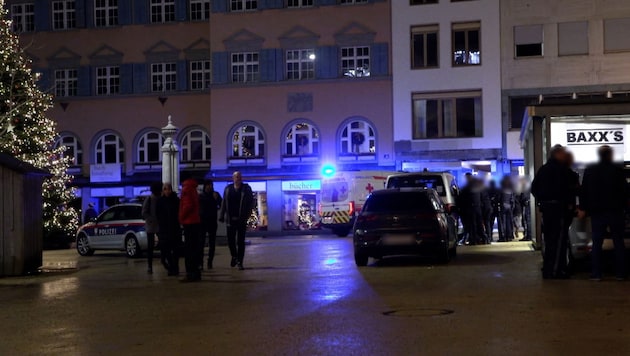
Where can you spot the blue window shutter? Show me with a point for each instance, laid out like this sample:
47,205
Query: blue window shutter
327,62
140,78
220,5
42,15
380,59
126,78
89,13
219,67
182,76
124,12
270,4
325,2
45,79
181,10
79,11
280,66
268,65
140,12
84,81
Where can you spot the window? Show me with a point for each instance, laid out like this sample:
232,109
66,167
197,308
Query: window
616,37
357,138
466,44
248,141
245,67
66,82
350,2
517,110
200,75
422,2
107,80
355,61
195,146
64,16
73,148
300,3
572,38
243,5
163,77
302,139
162,11
440,115
528,41
424,47
23,17
199,10
105,13
149,147
109,149
300,64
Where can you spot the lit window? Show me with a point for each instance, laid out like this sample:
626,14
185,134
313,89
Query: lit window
466,44
109,149
355,61
243,5
66,82
438,115
162,11
248,141
300,64
424,47
200,75
63,14
358,138
105,13
302,139
300,3
195,146
23,17
163,77
199,10
245,67
73,148
107,80
149,147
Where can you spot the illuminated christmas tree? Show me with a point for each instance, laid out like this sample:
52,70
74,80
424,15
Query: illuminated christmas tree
26,132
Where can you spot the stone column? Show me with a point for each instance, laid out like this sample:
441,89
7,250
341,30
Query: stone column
170,156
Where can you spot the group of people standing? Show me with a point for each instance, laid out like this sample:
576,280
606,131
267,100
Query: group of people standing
480,206
194,217
602,195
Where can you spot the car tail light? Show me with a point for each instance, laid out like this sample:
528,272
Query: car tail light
351,208
366,218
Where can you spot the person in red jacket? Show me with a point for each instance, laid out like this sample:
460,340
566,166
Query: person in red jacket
190,220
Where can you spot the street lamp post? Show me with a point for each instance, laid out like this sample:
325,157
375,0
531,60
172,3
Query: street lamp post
170,155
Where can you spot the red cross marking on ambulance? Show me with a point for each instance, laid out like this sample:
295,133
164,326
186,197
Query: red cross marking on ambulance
369,187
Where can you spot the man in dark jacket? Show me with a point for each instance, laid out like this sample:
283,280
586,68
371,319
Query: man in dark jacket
493,211
170,232
553,189
209,204
506,209
604,197
235,211
473,202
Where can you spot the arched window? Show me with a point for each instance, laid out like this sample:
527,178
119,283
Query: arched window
195,146
247,144
109,148
302,139
149,147
357,138
73,147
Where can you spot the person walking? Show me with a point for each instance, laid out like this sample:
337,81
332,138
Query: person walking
151,225
604,197
170,231
235,211
90,213
190,219
552,188
209,204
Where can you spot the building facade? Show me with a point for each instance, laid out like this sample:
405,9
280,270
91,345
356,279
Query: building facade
447,85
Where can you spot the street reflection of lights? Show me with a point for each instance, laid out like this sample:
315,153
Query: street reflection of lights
59,289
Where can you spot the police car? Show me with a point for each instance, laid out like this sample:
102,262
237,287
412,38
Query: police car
119,227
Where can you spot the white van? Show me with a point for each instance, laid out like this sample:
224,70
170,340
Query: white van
444,184
343,196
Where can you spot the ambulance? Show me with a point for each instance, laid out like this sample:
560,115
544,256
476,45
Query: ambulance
343,195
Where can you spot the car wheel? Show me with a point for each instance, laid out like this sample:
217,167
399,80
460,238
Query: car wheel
341,232
132,248
83,246
361,258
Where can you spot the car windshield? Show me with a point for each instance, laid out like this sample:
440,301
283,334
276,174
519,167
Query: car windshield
334,191
418,181
401,202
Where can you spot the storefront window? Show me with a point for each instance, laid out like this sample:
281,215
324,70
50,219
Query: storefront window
301,199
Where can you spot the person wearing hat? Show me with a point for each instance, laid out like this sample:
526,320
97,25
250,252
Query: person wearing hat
90,213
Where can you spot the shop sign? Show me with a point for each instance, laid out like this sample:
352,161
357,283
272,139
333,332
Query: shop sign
108,192
298,185
105,173
583,139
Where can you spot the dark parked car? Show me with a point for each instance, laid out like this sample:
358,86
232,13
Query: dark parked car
404,221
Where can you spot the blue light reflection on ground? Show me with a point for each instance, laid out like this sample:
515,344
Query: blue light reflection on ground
332,280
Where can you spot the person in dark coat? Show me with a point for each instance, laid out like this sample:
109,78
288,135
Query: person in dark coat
209,204
90,213
151,225
472,201
190,219
524,200
604,197
493,212
553,189
170,231
236,208
506,216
